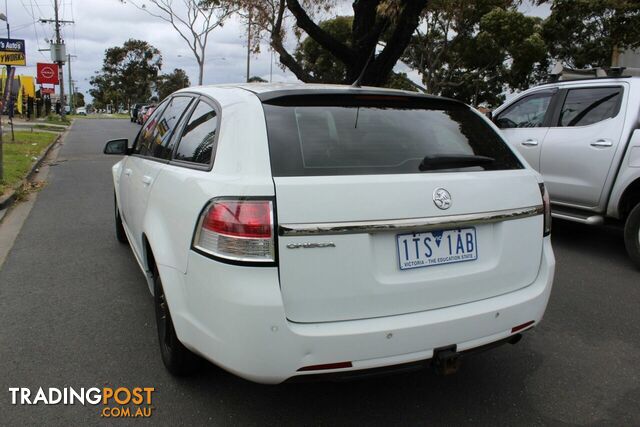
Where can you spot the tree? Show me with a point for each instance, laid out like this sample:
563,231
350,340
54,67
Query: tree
326,68
128,74
395,20
591,33
194,24
169,83
319,62
78,99
475,50
256,79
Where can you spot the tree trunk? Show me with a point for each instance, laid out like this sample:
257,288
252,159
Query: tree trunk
200,71
615,57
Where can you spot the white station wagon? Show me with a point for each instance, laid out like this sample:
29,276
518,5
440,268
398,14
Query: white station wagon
297,230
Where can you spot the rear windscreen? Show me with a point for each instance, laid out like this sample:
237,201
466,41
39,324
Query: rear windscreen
361,135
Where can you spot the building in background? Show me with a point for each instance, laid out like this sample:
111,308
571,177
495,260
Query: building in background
629,59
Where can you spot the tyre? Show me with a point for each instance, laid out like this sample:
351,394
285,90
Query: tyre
120,234
632,235
176,357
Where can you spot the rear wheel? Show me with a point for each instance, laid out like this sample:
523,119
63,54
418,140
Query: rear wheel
632,235
120,234
176,357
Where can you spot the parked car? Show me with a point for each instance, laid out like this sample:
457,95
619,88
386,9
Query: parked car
141,112
135,108
150,109
81,111
583,136
294,230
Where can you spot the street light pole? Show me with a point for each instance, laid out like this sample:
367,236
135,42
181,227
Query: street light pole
3,17
249,47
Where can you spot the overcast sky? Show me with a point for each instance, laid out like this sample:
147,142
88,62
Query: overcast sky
100,24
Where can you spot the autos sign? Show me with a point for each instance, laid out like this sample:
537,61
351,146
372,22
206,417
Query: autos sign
47,73
12,52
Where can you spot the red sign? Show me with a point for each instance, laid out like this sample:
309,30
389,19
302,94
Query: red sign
47,90
48,73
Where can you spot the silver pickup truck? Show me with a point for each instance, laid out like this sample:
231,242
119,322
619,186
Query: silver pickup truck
583,136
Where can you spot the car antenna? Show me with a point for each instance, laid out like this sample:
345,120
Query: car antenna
361,76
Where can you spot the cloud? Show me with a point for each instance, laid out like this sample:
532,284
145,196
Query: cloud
101,24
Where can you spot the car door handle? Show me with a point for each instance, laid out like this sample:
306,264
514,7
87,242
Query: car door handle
146,180
602,143
127,172
530,142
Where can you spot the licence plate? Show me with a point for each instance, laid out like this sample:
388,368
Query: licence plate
437,247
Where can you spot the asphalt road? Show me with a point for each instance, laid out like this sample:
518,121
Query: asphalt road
75,311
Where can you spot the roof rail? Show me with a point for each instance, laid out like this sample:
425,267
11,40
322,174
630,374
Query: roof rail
562,73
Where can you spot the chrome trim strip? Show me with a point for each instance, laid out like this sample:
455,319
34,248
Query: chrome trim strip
421,224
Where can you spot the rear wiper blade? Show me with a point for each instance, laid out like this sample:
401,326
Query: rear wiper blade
453,161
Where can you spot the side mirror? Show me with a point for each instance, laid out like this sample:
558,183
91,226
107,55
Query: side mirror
489,115
117,146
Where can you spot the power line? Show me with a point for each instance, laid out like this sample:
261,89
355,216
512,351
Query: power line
73,30
35,27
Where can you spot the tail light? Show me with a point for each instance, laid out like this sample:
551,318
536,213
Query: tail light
237,230
546,203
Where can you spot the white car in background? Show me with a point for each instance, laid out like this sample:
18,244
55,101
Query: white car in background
296,230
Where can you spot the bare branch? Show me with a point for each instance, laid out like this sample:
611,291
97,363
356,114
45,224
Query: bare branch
324,39
285,57
195,27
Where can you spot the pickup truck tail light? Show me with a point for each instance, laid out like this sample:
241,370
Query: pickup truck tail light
237,229
546,203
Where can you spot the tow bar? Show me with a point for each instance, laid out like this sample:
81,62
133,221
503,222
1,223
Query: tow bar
446,360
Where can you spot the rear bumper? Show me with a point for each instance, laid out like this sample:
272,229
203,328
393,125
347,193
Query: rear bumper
234,316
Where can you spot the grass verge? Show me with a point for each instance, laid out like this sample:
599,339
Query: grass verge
20,155
56,120
49,128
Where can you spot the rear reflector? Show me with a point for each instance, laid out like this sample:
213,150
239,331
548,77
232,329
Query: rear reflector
339,365
239,230
521,327
546,203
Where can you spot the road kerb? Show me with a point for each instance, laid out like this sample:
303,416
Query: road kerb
7,200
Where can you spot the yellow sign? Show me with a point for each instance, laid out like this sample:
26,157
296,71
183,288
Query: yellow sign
12,52
13,58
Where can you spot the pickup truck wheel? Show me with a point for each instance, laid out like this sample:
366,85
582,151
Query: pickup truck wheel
632,235
176,357
120,234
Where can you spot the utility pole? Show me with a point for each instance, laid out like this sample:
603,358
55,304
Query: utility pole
58,52
71,101
60,63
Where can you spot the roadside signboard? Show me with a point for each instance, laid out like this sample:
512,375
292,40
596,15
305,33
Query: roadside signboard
47,90
12,52
47,73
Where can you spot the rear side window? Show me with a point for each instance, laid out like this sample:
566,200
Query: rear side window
162,144
144,143
587,106
197,144
359,135
526,113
